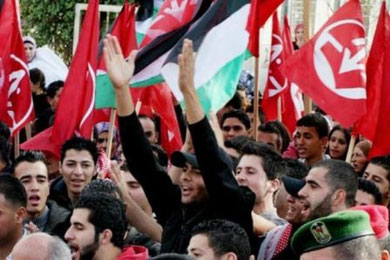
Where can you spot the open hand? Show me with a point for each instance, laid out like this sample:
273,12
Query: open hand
119,69
186,66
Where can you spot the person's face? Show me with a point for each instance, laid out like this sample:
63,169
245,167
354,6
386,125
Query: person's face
378,175
308,143
363,198
280,201
250,173
77,169
358,160
192,186
299,34
149,130
54,101
10,220
35,88
136,191
269,138
53,166
30,51
294,213
102,143
327,253
81,236
337,145
200,249
316,193
34,178
233,127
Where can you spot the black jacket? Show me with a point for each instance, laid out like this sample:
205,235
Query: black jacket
58,221
59,194
225,198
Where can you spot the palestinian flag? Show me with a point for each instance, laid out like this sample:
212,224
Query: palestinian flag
220,40
146,14
171,23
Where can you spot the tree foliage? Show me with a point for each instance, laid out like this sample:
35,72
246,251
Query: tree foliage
51,22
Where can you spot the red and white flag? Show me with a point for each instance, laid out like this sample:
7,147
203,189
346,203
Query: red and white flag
277,83
16,105
76,106
330,68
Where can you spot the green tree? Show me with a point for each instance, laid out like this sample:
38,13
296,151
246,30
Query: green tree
51,22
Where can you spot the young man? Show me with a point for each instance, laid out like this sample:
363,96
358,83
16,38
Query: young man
235,123
269,134
311,138
44,214
149,128
342,235
13,202
219,239
98,226
330,187
77,167
178,210
367,193
49,248
378,171
259,169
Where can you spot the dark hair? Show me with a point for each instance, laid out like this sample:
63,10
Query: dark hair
340,175
31,157
296,169
37,76
106,212
382,161
102,185
370,188
347,135
80,144
272,162
53,88
235,102
240,115
13,190
286,138
4,130
250,109
270,128
224,237
162,156
238,142
317,121
360,248
5,151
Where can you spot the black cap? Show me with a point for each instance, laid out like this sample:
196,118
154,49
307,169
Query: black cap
292,185
179,159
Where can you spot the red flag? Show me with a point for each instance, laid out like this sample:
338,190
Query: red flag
276,83
292,103
330,67
16,105
260,11
376,122
75,108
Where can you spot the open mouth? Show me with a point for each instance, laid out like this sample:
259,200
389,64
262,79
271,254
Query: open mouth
306,209
34,199
74,249
185,190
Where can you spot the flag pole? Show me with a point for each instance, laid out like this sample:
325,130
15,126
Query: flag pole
28,131
138,107
256,101
306,31
350,149
111,132
16,145
280,109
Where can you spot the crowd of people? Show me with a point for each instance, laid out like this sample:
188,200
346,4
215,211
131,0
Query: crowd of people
224,195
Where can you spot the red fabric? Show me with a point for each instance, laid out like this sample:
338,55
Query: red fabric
260,11
374,125
134,253
292,102
41,142
379,219
276,83
16,105
330,67
76,105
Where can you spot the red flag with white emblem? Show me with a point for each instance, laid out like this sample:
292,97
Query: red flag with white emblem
276,83
330,68
75,109
16,105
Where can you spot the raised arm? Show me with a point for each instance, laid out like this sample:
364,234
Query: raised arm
163,196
